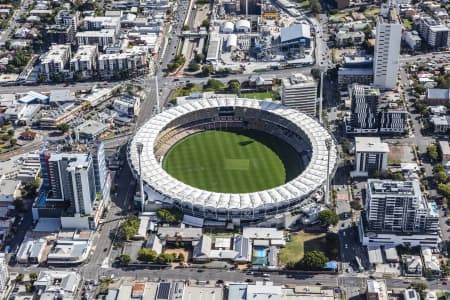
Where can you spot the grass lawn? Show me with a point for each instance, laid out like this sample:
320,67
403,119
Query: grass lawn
300,242
233,161
261,95
370,13
181,91
408,24
304,4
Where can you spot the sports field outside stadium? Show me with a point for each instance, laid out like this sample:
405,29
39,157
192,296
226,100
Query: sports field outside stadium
241,161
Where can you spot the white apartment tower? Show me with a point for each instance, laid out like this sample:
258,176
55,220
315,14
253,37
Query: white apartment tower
371,155
387,48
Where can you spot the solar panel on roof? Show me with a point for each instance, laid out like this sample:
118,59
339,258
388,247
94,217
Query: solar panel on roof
163,291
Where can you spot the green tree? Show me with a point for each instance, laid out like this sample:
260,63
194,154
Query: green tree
20,277
200,57
194,67
33,276
181,256
30,188
165,258
28,287
432,151
169,215
234,86
368,31
214,85
63,127
78,76
419,88
186,27
332,244
129,227
124,259
315,6
189,86
313,260
179,59
315,72
147,255
13,142
438,168
207,70
356,205
444,190
18,204
206,23
441,177
420,287
328,217
171,67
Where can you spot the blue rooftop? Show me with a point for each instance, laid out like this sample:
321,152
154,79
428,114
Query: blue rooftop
332,265
438,94
295,32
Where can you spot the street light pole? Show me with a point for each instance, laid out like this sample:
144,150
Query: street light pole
328,144
139,147
321,97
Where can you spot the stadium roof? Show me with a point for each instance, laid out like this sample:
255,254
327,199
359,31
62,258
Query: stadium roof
303,185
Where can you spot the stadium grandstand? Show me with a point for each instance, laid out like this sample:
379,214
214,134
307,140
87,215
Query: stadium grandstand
165,130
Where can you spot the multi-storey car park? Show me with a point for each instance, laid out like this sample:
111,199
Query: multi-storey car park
300,131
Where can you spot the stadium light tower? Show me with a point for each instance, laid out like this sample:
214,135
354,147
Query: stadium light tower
321,97
328,144
139,147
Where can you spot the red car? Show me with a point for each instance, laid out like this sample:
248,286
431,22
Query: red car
445,282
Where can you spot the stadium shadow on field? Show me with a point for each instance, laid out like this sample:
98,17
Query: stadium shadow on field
245,143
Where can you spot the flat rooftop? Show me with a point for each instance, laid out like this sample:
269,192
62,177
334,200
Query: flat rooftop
370,144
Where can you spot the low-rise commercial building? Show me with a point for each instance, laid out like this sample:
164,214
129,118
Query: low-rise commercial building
90,130
437,97
377,289
57,284
412,40
127,105
412,265
441,124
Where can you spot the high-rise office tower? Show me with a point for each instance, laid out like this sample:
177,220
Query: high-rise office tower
387,47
